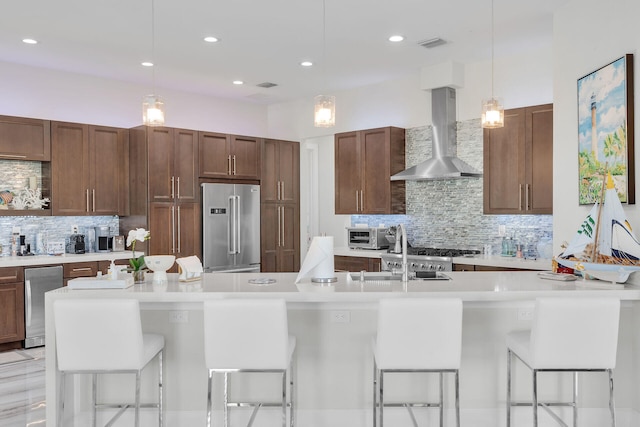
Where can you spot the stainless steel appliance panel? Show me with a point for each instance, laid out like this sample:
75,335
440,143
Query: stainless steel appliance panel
231,227
37,281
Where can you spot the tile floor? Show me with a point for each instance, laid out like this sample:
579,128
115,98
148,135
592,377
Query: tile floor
22,388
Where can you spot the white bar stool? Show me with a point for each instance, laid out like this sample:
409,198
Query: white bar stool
567,335
104,336
244,335
417,335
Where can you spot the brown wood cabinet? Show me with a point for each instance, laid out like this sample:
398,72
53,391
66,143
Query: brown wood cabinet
518,163
25,139
355,264
364,163
165,196
12,328
471,267
280,206
229,156
89,166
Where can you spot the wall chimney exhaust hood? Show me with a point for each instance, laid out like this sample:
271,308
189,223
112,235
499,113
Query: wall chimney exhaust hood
443,164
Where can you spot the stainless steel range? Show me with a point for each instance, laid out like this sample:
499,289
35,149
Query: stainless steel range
425,259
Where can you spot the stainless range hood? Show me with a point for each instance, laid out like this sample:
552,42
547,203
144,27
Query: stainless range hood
443,164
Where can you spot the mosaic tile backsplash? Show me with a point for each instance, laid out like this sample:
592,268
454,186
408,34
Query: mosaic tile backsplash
448,213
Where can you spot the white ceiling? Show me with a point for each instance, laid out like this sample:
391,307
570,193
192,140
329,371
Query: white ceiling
265,40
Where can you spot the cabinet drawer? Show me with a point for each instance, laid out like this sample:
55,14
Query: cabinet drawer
80,269
11,274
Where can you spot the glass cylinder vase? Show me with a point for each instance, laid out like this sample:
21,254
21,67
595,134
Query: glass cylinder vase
138,276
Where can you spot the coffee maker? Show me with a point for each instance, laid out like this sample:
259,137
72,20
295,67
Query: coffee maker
103,239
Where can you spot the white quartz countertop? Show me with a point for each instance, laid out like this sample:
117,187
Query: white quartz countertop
34,260
490,261
469,286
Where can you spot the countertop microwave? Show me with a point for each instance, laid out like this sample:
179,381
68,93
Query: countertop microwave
367,237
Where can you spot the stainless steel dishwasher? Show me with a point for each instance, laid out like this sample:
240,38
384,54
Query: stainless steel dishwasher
37,281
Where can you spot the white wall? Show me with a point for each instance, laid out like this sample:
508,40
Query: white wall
57,95
587,35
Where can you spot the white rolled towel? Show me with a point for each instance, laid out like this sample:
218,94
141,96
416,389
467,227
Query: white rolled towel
318,264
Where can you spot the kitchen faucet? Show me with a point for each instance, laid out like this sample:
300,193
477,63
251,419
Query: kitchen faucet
401,232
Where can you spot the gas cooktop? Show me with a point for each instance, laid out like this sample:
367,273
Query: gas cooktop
441,252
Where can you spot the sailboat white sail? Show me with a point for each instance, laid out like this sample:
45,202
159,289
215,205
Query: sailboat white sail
605,237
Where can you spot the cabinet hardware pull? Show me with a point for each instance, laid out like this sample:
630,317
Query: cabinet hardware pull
279,243
87,200
173,230
76,269
13,156
93,199
234,164
361,202
7,279
357,199
173,187
178,191
520,198
282,186
178,219
526,197
278,185
283,244
229,164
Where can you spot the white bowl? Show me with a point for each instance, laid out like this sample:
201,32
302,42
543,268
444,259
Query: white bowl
159,264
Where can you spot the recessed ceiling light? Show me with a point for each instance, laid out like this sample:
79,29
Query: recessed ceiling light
147,64
306,63
396,38
238,82
30,41
211,39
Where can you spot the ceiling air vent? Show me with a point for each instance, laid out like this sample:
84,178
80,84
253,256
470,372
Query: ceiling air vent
266,85
431,43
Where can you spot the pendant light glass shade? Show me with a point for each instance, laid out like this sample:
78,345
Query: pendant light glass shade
152,111
492,113
324,111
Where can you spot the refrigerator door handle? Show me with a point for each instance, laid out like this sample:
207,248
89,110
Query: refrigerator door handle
27,284
231,234
238,222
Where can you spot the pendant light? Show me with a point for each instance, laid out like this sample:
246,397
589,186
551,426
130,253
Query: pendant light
152,105
325,105
492,109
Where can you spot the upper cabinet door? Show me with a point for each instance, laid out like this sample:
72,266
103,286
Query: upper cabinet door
348,173
186,165
25,139
214,157
70,169
162,185
280,171
376,176
245,157
106,184
539,154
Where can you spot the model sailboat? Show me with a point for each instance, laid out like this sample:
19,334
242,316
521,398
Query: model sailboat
605,240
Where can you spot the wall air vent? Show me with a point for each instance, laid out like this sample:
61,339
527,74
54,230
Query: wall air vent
266,85
431,43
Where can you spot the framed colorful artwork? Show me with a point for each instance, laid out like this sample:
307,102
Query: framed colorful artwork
605,131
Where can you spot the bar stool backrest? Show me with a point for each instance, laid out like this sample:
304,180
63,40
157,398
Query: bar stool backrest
246,334
575,333
98,334
420,333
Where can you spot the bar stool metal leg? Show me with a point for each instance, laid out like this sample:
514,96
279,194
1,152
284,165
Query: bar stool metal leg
381,380
137,413
160,391
61,398
284,398
375,392
509,356
292,395
209,398
535,398
575,399
94,397
457,398
611,402
441,399
226,399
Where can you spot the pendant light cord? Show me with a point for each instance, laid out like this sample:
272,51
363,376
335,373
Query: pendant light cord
153,45
492,43
324,44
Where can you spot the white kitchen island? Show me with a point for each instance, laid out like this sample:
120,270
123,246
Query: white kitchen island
334,325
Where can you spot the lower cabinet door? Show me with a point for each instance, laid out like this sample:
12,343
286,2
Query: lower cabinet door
12,309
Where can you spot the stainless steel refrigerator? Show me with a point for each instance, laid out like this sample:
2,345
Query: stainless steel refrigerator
230,227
